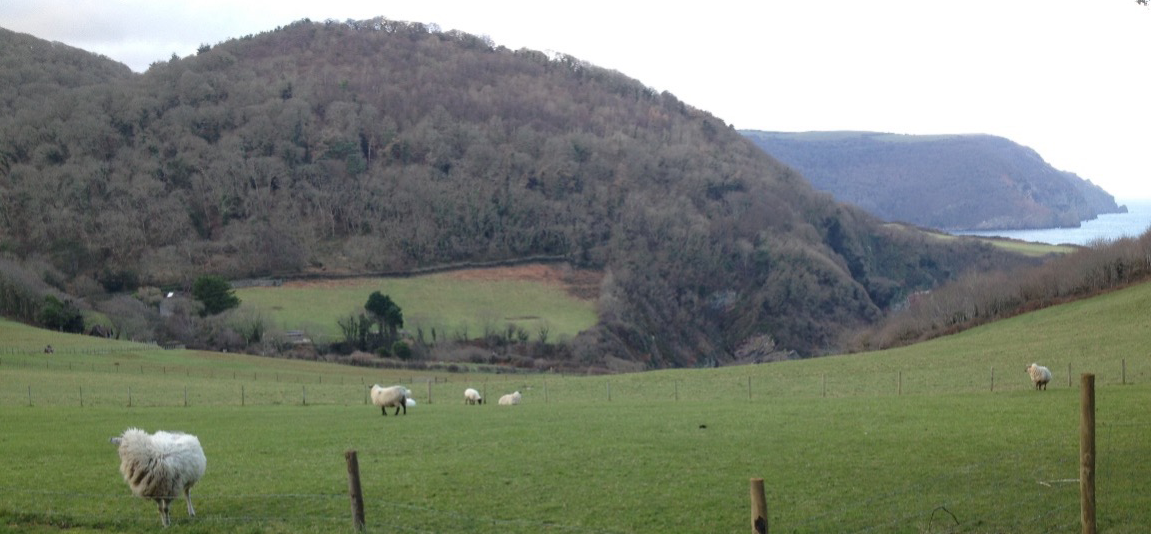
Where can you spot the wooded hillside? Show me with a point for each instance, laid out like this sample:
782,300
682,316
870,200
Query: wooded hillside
948,182
378,145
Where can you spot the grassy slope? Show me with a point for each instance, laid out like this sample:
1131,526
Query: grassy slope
570,460
441,301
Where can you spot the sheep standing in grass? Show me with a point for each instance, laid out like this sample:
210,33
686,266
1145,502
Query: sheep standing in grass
510,399
1039,375
391,396
161,466
472,396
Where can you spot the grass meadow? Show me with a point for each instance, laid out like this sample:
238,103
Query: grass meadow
451,305
945,436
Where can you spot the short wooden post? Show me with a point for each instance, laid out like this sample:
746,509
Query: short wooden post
609,391
81,396
354,490
677,390
1124,371
758,507
749,388
824,384
29,395
993,379
129,396
241,394
899,388
1087,453
185,396
546,400
1068,374
304,394
429,392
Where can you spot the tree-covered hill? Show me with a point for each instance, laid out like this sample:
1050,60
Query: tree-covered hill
374,146
950,182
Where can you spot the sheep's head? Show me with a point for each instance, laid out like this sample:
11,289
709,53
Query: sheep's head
116,440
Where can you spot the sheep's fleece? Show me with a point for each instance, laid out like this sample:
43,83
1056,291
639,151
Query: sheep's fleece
161,466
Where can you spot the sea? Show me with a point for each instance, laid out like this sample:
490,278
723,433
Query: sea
1106,227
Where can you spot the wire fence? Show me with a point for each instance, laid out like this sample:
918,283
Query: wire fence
947,503
37,379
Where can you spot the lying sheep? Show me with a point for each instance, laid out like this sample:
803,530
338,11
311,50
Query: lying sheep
472,396
391,396
160,466
510,399
1039,375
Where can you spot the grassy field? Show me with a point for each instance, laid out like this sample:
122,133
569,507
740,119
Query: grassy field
454,304
913,440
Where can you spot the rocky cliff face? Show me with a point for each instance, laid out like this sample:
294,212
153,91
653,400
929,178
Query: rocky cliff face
949,182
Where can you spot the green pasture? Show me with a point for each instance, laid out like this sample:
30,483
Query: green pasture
1025,248
452,307
945,436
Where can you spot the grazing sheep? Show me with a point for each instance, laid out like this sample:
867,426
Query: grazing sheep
472,396
1040,375
511,399
391,396
160,466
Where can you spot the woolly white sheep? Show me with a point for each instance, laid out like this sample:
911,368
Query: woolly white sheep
510,399
160,466
472,396
391,396
1039,375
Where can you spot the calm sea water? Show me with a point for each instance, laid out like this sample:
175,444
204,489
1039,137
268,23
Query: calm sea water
1106,227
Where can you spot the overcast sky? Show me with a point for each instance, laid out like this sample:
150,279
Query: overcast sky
1068,78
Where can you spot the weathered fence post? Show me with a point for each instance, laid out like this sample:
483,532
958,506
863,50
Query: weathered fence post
241,394
304,394
758,507
1068,374
129,396
1087,453
354,490
825,384
677,390
429,392
749,388
993,379
1124,371
899,388
609,391
81,396
185,396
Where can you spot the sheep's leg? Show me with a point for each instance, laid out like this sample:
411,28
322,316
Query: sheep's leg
188,497
384,410
164,517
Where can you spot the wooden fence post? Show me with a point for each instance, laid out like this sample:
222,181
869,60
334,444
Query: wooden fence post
1087,453
429,392
1124,371
993,379
1068,374
899,390
749,388
354,490
758,507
